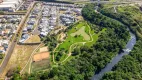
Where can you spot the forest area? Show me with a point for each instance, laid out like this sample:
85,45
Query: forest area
130,67
89,60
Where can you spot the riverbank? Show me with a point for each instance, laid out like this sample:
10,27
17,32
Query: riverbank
117,58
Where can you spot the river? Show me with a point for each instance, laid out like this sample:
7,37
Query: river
117,58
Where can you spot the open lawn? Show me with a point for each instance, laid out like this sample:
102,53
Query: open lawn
73,36
81,32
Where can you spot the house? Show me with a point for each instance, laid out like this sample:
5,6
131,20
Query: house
33,16
30,27
25,30
43,34
31,22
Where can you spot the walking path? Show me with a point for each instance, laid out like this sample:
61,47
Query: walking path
30,59
70,49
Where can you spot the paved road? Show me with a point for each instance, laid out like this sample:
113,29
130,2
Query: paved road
7,57
36,31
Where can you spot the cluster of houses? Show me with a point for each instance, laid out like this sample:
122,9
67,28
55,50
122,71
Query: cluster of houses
51,16
69,15
46,16
31,22
25,5
67,19
14,19
48,20
8,26
64,5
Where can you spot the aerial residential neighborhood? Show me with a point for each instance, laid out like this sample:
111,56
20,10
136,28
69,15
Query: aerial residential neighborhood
70,39
8,26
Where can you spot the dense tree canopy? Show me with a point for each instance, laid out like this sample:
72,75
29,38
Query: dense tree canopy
130,67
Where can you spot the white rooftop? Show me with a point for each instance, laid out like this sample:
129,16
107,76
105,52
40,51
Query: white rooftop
7,5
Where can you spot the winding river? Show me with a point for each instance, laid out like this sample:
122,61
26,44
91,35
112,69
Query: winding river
117,58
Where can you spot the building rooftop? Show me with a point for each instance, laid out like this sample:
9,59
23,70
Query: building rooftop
7,5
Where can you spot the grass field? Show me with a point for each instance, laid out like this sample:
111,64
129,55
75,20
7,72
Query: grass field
40,65
82,33
73,37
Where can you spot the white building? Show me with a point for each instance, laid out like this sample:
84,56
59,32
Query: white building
10,5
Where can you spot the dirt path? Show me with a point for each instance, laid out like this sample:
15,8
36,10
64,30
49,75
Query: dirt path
70,49
78,43
30,58
53,54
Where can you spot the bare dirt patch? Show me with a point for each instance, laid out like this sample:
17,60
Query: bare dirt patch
43,49
40,56
62,37
19,57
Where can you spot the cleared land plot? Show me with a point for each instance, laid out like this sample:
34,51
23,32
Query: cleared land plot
40,56
19,57
40,65
43,49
